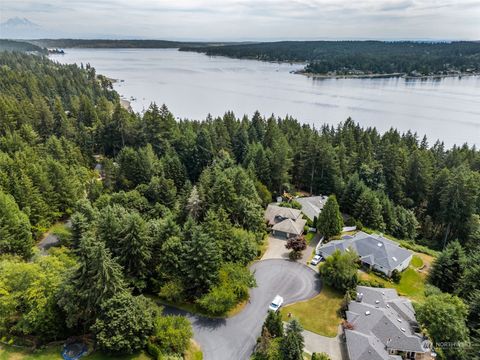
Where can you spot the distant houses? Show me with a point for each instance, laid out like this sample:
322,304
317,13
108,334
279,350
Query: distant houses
381,325
374,251
286,222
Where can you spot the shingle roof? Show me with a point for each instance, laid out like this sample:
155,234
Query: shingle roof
379,327
291,227
375,249
312,206
275,214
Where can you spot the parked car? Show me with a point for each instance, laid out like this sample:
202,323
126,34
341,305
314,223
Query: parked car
316,260
276,303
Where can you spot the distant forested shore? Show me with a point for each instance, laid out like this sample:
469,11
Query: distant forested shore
356,59
361,58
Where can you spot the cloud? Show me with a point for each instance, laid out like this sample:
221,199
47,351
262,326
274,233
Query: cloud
254,19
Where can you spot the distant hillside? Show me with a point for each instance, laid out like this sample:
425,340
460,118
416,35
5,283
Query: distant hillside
361,57
105,43
11,45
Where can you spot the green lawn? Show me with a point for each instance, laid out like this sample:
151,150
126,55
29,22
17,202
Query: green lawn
309,237
53,353
319,314
416,262
411,285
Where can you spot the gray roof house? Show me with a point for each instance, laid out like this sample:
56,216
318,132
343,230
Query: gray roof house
381,325
312,205
374,251
286,222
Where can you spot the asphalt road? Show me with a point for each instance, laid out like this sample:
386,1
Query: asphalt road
234,338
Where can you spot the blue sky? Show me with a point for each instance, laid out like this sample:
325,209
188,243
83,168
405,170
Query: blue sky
252,19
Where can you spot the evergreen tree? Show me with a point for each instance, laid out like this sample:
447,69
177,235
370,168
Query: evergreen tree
291,346
369,210
448,269
330,221
134,250
97,279
202,259
274,324
15,236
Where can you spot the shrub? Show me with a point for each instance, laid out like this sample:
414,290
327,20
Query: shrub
396,276
172,291
172,335
218,301
320,356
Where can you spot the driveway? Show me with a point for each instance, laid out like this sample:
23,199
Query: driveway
318,343
276,250
235,337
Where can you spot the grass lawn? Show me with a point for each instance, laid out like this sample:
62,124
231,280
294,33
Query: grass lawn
309,237
411,285
53,353
319,314
417,262
193,352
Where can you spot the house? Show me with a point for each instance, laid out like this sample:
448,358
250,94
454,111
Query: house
374,250
286,222
312,205
381,325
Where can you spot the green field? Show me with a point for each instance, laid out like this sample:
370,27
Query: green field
319,314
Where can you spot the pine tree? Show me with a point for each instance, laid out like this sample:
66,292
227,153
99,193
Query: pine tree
330,221
448,269
274,324
15,236
291,346
134,250
97,278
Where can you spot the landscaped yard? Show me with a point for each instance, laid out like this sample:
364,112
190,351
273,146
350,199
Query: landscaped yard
411,285
319,314
54,353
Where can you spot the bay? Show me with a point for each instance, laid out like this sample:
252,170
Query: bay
194,85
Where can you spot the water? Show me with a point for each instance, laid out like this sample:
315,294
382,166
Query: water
194,85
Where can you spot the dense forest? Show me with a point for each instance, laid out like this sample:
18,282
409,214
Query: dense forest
361,57
12,45
117,44
176,211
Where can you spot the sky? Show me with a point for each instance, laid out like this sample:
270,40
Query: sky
257,20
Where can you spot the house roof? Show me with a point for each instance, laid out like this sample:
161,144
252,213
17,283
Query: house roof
275,214
312,206
290,226
378,326
372,249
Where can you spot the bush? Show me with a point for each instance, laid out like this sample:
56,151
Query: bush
396,276
291,204
218,301
172,291
172,335
371,283
294,255
320,356
235,281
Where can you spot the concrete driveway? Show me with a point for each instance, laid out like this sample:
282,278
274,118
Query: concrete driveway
235,337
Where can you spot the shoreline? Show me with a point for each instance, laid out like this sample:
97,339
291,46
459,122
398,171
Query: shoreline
126,104
381,76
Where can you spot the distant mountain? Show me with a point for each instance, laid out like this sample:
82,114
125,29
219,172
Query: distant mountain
19,28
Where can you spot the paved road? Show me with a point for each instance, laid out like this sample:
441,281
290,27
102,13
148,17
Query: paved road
234,338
